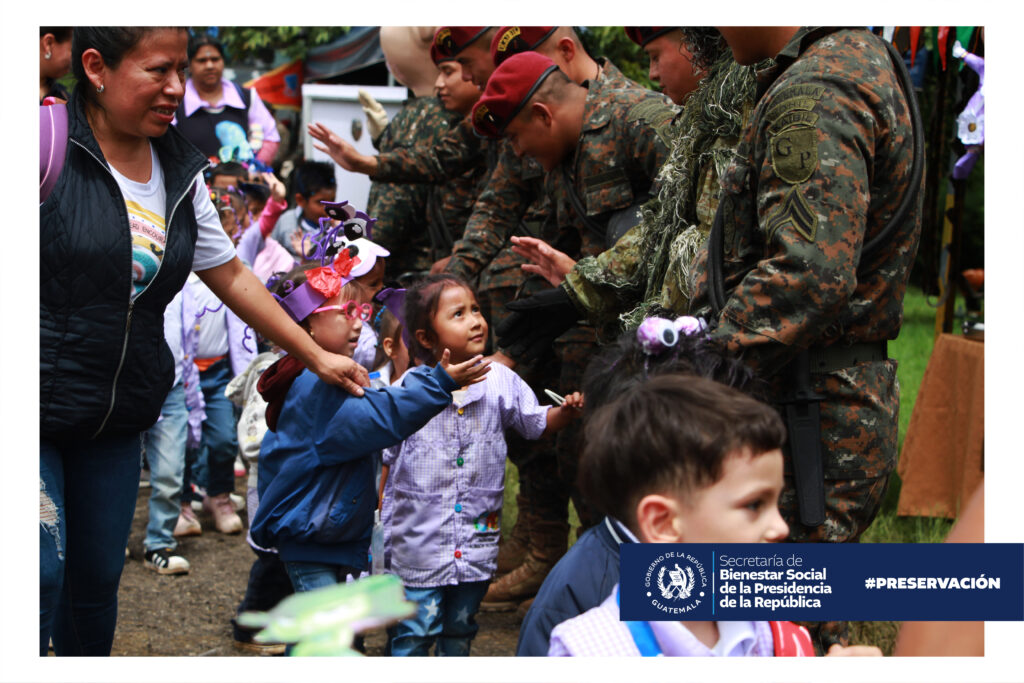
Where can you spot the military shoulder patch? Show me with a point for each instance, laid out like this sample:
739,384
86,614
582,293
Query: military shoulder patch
794,212
794,152
793,105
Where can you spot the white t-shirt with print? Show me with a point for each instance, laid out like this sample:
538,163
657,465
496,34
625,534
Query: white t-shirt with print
146,203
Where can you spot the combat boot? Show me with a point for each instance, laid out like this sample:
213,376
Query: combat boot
547,545
512,550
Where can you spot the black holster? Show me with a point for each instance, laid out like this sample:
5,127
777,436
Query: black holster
802,410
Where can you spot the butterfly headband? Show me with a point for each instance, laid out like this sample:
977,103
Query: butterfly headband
344,254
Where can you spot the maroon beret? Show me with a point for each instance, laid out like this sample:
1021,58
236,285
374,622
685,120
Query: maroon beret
436,54
451,40
508,90
641,35
511,40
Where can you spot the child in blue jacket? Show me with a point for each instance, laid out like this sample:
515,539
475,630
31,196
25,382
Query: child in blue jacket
316,487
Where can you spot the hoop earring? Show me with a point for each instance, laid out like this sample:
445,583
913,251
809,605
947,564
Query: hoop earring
47,55
100,89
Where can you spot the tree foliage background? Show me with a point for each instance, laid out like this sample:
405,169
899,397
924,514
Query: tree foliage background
611,42
249,43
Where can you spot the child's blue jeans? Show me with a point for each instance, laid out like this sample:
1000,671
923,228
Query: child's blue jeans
446,614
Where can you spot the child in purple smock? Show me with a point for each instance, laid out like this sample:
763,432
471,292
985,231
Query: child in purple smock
444,484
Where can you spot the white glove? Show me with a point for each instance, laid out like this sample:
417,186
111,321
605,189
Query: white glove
376,117
958,50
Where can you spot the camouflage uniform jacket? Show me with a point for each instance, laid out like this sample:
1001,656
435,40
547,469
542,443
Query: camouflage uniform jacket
648,267
616,141
404,224
458,151
820,170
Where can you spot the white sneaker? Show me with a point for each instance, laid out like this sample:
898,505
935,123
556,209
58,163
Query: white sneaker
225,518
162,561
188,524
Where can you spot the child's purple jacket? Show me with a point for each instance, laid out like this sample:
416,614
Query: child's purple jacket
442,501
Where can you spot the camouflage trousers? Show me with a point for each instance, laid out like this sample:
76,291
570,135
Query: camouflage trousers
859,424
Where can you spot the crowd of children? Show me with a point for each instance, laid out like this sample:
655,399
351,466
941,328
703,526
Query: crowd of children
677,447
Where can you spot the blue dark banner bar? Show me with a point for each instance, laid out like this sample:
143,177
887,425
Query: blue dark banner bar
822,582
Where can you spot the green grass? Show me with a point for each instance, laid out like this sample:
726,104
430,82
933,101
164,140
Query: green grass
912,350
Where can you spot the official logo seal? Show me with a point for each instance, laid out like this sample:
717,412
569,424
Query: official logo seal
675,582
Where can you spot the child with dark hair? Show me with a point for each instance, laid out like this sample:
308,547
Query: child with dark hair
313,182
392,359
683,459
589,570
315,487
227,174
444,486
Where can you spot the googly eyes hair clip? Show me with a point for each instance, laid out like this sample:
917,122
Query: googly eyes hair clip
659,334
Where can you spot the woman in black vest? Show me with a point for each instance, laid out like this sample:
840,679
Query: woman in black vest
126,221
222,119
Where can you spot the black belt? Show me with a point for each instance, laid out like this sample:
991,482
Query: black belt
834,358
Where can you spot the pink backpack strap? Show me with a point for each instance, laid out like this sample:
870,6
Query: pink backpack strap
791,640
53,146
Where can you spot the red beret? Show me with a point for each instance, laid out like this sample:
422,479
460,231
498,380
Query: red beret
641,35
437,55
451,40
508,89
511,40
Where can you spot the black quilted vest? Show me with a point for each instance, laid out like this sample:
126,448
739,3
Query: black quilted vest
104,367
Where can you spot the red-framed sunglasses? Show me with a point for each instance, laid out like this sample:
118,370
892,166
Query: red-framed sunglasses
352,310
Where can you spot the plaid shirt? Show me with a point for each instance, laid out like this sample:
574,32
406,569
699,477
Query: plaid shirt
599,633
443,497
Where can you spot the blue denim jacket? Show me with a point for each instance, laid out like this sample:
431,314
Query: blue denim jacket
316,477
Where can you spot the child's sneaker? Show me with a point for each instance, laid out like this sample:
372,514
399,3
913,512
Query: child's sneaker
162,561
243,640
223,512
188,524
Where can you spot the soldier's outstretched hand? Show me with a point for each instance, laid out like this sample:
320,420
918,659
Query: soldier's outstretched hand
548,262
343,153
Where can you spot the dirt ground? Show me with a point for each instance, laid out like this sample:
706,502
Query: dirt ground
189,615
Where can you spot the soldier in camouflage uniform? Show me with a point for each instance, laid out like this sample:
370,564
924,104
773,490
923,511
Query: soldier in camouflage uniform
799,207
401,209
609,145
821,169
646,271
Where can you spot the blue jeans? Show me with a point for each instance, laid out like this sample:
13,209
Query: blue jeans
87,493
165,452
214,464
308,576
446,614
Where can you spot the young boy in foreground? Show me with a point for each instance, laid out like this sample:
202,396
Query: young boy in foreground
682,459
